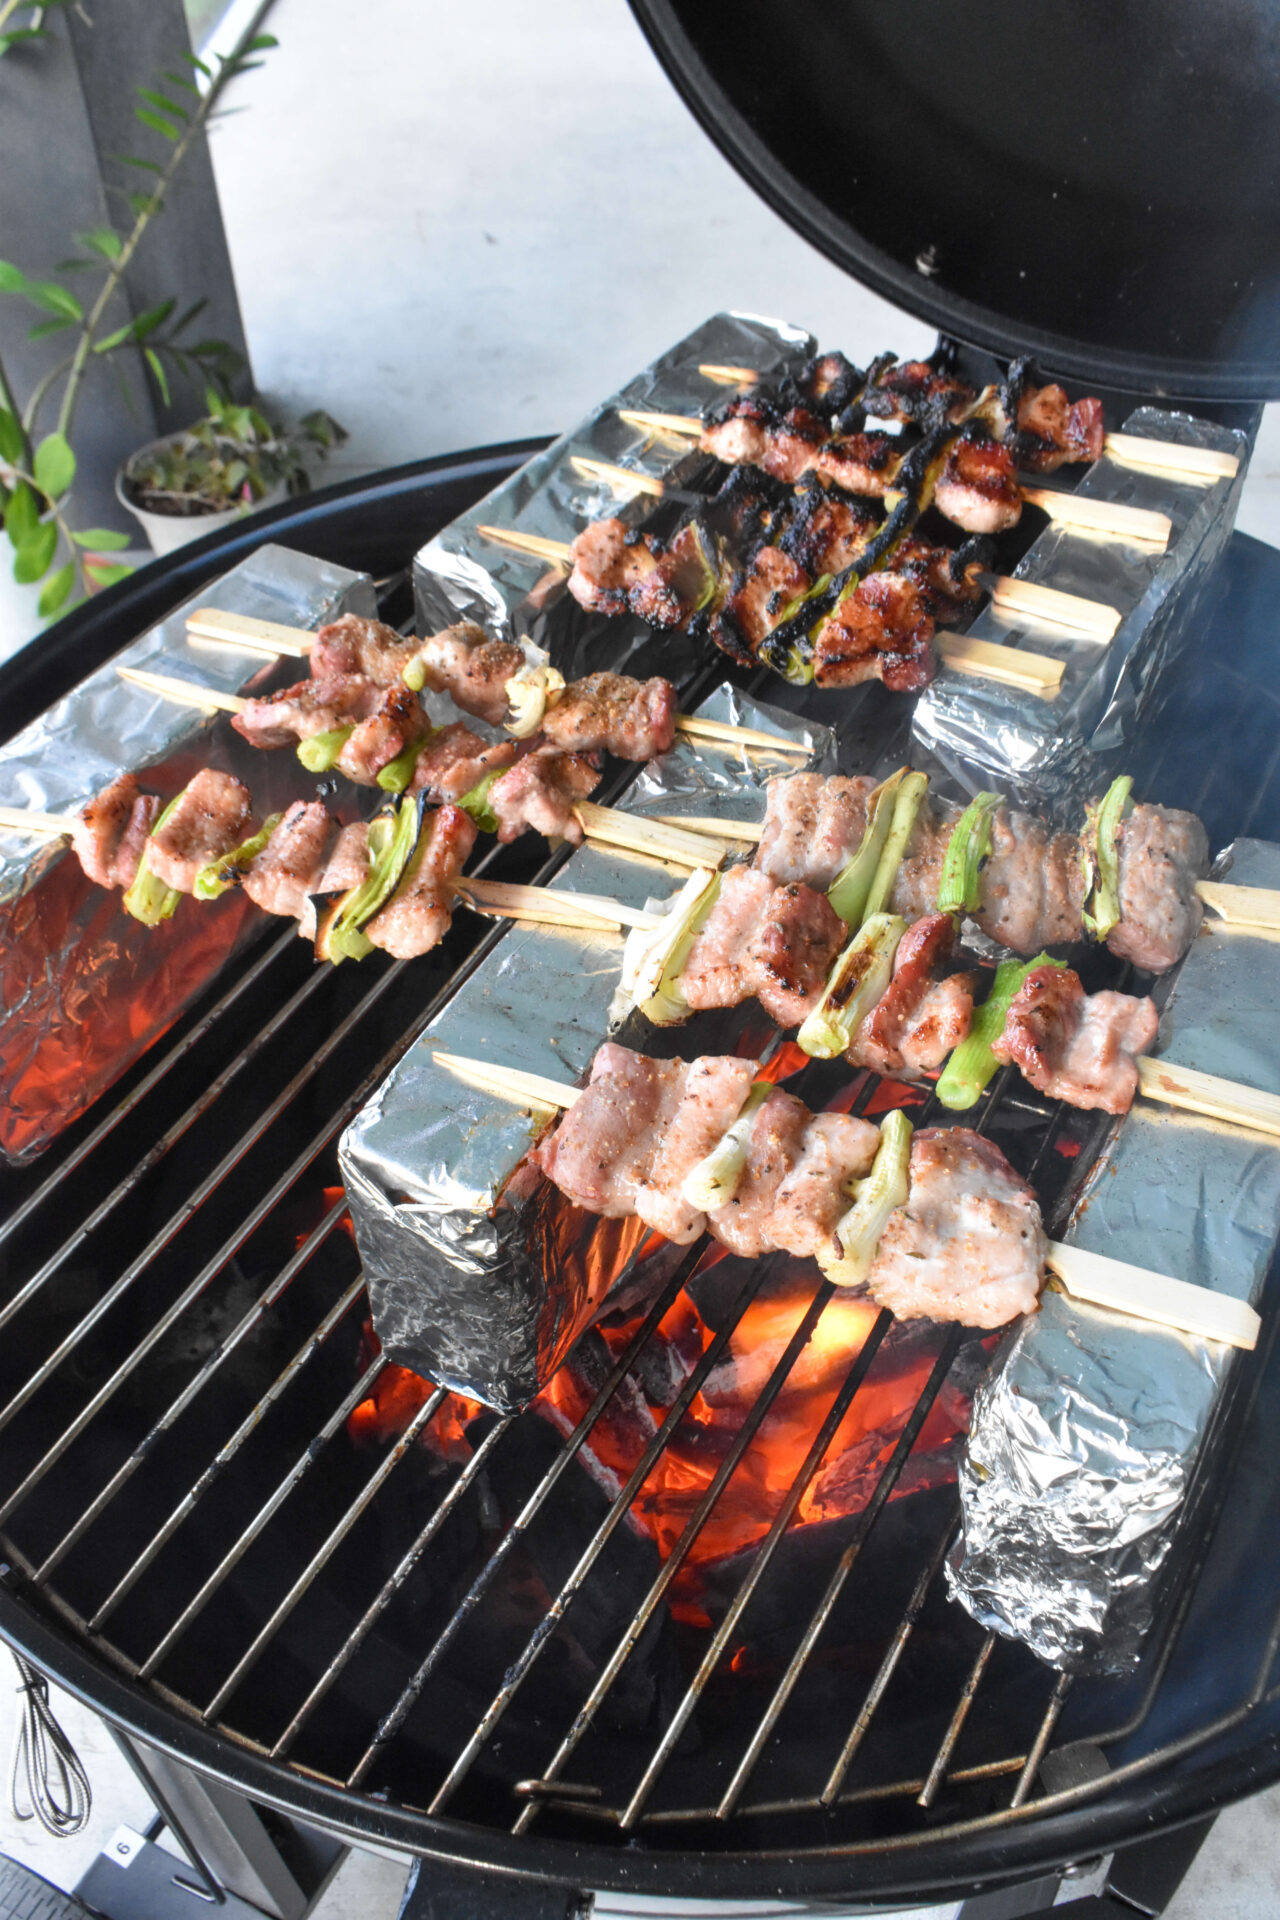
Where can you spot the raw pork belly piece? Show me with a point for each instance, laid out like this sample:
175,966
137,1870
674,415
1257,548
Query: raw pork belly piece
813,826
776,943
317,705
418,913
1163,852
208,819
634,719
919,1020
969,1244
111,831
540,793
1076,1046
472,669
280,878
365,647
794,1188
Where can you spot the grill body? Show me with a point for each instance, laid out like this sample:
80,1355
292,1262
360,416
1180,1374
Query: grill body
194,1547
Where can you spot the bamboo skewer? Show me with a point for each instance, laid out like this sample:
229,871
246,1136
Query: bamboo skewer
251,635
1193,463
507,1082
24,820
544,906
1208,1094
1244,908
750,831
636,833
187,692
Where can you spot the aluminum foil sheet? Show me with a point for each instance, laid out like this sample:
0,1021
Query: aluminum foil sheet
83,988
1094,1431
1051,749
480,1273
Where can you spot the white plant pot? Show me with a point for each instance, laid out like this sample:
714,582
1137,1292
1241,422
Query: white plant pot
168,531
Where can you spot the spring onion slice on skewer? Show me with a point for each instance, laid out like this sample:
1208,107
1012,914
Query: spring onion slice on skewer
394,834
960,888
857,983
531,692
396,775
653,959
906,807
213,880
475,801
1101,909
973,1063
849,890
883,1190
714,1181
149,899
320,753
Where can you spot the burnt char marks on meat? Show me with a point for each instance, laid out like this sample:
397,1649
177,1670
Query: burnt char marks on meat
111,831
318,705
396,722
921,1017
969,1244
1074,1046
828,383
912,390
289,867
612,713
455,759
472,669
775,943
947,579
738,431
759,597
540,793
617,569
209,818
978,485
1163,852
369,648
861,463
1052,432
881,631
813,826
827,530
418,913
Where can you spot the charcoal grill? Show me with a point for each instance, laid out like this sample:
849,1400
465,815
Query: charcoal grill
473,1661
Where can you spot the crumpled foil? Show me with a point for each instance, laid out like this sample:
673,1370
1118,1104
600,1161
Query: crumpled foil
480,1273
84,990
1095,1431
1055,749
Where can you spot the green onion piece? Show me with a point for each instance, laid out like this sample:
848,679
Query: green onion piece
973,1063
393,835
906,805
396,775
855,985
883,1190
709,560
653,957
714,1181
476,801
529,693
848,891
415,674
960,889
1101,910
213,880
320,752
149,899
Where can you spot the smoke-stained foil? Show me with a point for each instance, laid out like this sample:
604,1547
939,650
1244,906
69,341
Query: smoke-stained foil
480,1273
84,990
1055,749
1094,1432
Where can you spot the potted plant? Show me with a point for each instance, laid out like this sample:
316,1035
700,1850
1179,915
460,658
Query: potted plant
232,461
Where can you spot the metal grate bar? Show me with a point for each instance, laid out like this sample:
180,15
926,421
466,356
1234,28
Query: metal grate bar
52,1183
429,1408
305,1460
394,1721
938,1771
226,1454
262,1305
1040,1745
844,1566
888,1666
387,1593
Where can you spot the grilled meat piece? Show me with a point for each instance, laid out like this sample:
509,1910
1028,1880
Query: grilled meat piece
395,723
1032,886
1075,1046
285,873
969,1244
978,485
813,826
318,705
357,645
827,531
617,570
828,383
946,580
209,818
776,943
418,913
912,390
348,861
472,669
772,583
112,830
920,1018
540,793
881,631
862,463
739,432
634,719
794,1189
455,759
1051,432
1163,852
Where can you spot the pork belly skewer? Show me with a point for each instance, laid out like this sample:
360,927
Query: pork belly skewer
933,1225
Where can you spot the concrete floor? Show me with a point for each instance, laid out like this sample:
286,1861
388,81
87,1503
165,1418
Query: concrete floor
459,225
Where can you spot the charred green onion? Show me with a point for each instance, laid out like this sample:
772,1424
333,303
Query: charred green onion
960,888
1101,910
883,1190
855,985
653,957
973,1063
714,1181
213,880
148,898
393,836
320,753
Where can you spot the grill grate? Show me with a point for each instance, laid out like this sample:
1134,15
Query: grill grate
182,1354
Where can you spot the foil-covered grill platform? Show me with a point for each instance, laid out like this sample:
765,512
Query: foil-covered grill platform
1094,1432
84,990
480,1273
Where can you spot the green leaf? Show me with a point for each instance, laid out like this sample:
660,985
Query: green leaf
196,65
105,573
22,515
55,465
56,589
141,203
11,39
131,160
155,316
12,443
261,42
33,557
103,240
179,80
156,122
54,299
101,539
162,101
116,339
45,327
184,320
12,279
161,378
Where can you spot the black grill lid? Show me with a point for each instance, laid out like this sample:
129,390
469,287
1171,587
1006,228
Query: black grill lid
1094,181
